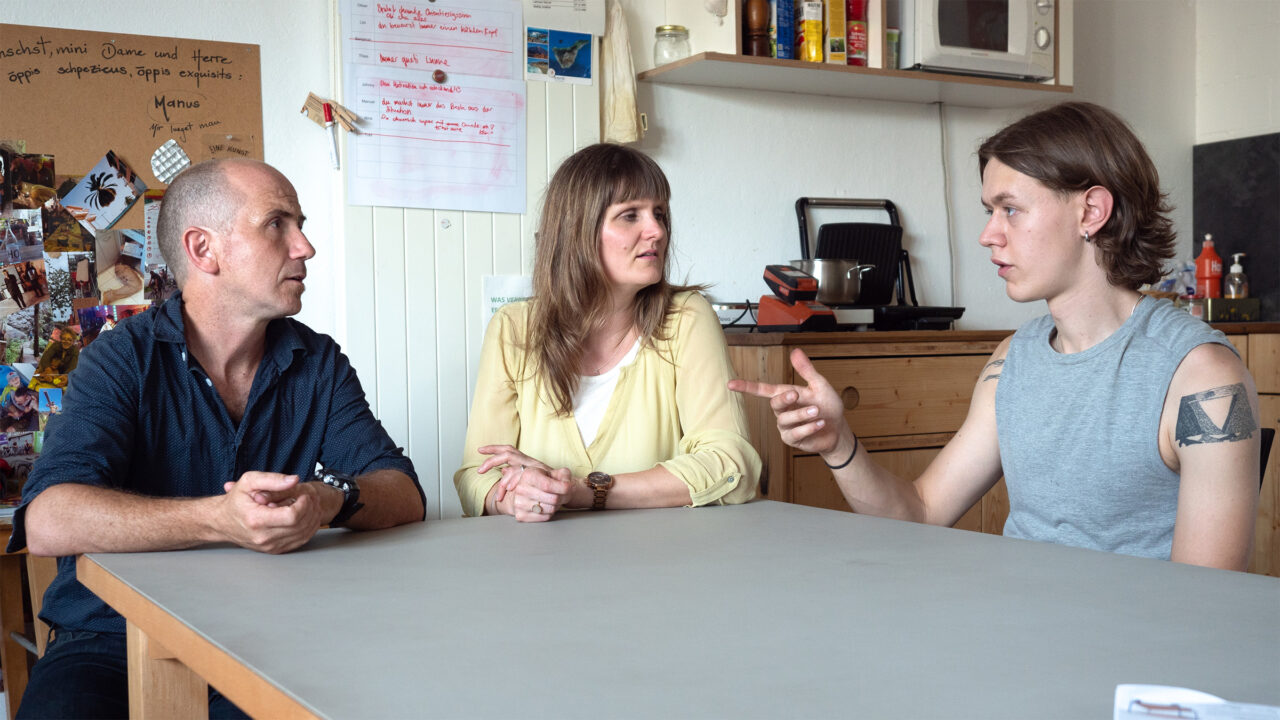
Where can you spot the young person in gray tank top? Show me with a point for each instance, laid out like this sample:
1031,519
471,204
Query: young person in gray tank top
1119,423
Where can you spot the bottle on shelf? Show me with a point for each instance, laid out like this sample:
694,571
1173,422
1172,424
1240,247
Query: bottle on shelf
856,20
756,29
809,30
1208,271
1186,283
1236,284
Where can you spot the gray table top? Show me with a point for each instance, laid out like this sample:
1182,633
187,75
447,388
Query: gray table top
761,610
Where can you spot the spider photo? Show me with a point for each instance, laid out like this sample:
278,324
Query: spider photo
101,190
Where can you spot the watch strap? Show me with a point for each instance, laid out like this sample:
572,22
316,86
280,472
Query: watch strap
600,484
350,494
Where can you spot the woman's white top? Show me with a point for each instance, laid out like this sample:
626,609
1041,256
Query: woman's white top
594,393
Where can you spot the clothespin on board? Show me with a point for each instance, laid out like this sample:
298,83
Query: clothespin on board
314,109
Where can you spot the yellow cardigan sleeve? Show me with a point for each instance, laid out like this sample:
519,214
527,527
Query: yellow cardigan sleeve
715,459
494,419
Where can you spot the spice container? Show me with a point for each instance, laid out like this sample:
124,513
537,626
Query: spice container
891,37
670,43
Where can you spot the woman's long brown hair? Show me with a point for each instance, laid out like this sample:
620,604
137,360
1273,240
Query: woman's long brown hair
570,288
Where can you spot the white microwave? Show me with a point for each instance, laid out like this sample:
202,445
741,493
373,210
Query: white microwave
995,38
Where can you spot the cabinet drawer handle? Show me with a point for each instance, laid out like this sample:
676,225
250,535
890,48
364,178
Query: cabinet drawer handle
850,397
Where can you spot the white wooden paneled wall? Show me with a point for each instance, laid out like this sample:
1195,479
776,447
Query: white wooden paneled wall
413,293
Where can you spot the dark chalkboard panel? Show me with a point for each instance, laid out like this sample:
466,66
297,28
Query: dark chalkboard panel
76,94
1237,200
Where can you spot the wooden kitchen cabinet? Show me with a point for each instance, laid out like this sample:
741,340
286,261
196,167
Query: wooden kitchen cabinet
906,393
1263,353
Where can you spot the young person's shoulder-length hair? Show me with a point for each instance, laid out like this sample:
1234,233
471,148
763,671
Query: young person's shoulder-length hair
570,287
1074,146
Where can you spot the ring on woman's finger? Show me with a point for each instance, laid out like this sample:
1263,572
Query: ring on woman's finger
537,508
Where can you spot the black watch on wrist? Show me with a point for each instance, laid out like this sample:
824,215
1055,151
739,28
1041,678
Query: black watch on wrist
350,493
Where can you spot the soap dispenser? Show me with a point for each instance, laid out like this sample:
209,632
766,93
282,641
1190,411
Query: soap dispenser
1237,285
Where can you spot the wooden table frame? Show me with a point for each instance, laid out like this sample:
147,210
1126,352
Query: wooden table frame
169,681
13,656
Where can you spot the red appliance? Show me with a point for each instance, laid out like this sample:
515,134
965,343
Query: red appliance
790,283
792,307
778,315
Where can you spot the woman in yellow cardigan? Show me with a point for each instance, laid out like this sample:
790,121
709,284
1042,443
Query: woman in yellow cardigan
608,388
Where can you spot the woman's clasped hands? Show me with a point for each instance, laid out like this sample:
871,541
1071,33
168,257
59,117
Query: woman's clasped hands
529,489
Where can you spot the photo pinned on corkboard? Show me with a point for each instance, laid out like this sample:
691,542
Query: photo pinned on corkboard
105,193
18,452
120,256
160,282
21,236
61,355
50,404
19,411
83,277
13,377
101,318
17,329
62,232
30,180
23,285
58,278
51,400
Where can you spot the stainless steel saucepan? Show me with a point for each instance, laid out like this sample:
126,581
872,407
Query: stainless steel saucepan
839,281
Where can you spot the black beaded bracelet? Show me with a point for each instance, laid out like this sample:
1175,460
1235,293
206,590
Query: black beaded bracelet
852,455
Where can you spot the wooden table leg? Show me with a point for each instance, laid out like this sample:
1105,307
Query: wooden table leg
40,574
13,657
160,686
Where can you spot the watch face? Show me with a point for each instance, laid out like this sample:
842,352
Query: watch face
342,481
599,479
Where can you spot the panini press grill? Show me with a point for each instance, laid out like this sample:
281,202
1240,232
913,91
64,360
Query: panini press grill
876,244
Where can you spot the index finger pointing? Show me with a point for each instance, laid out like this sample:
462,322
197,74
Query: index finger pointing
751,387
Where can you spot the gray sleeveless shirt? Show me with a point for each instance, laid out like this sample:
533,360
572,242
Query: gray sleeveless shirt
1079,432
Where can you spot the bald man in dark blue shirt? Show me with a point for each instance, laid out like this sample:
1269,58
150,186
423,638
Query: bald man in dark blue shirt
198,421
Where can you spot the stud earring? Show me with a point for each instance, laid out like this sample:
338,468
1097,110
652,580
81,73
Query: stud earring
1086,236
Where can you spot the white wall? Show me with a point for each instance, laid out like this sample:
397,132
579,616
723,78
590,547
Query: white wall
413,293
739,159
295,53
1237,69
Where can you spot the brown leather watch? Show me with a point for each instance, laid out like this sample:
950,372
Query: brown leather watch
600,483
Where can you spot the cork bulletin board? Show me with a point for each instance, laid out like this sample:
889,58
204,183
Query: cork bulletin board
76,94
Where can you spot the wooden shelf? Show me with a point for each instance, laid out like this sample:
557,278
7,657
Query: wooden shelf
714,69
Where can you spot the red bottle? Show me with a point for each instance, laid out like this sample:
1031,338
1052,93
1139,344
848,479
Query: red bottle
1208,271
855,12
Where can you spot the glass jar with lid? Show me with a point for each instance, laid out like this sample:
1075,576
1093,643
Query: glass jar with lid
670,43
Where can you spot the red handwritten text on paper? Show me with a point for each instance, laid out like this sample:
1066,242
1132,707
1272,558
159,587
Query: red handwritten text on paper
418,37
435,113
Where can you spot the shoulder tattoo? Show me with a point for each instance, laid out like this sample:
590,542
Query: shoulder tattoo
1229,402
991,371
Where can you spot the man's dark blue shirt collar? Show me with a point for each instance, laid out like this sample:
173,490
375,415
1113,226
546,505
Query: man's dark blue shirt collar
282,343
